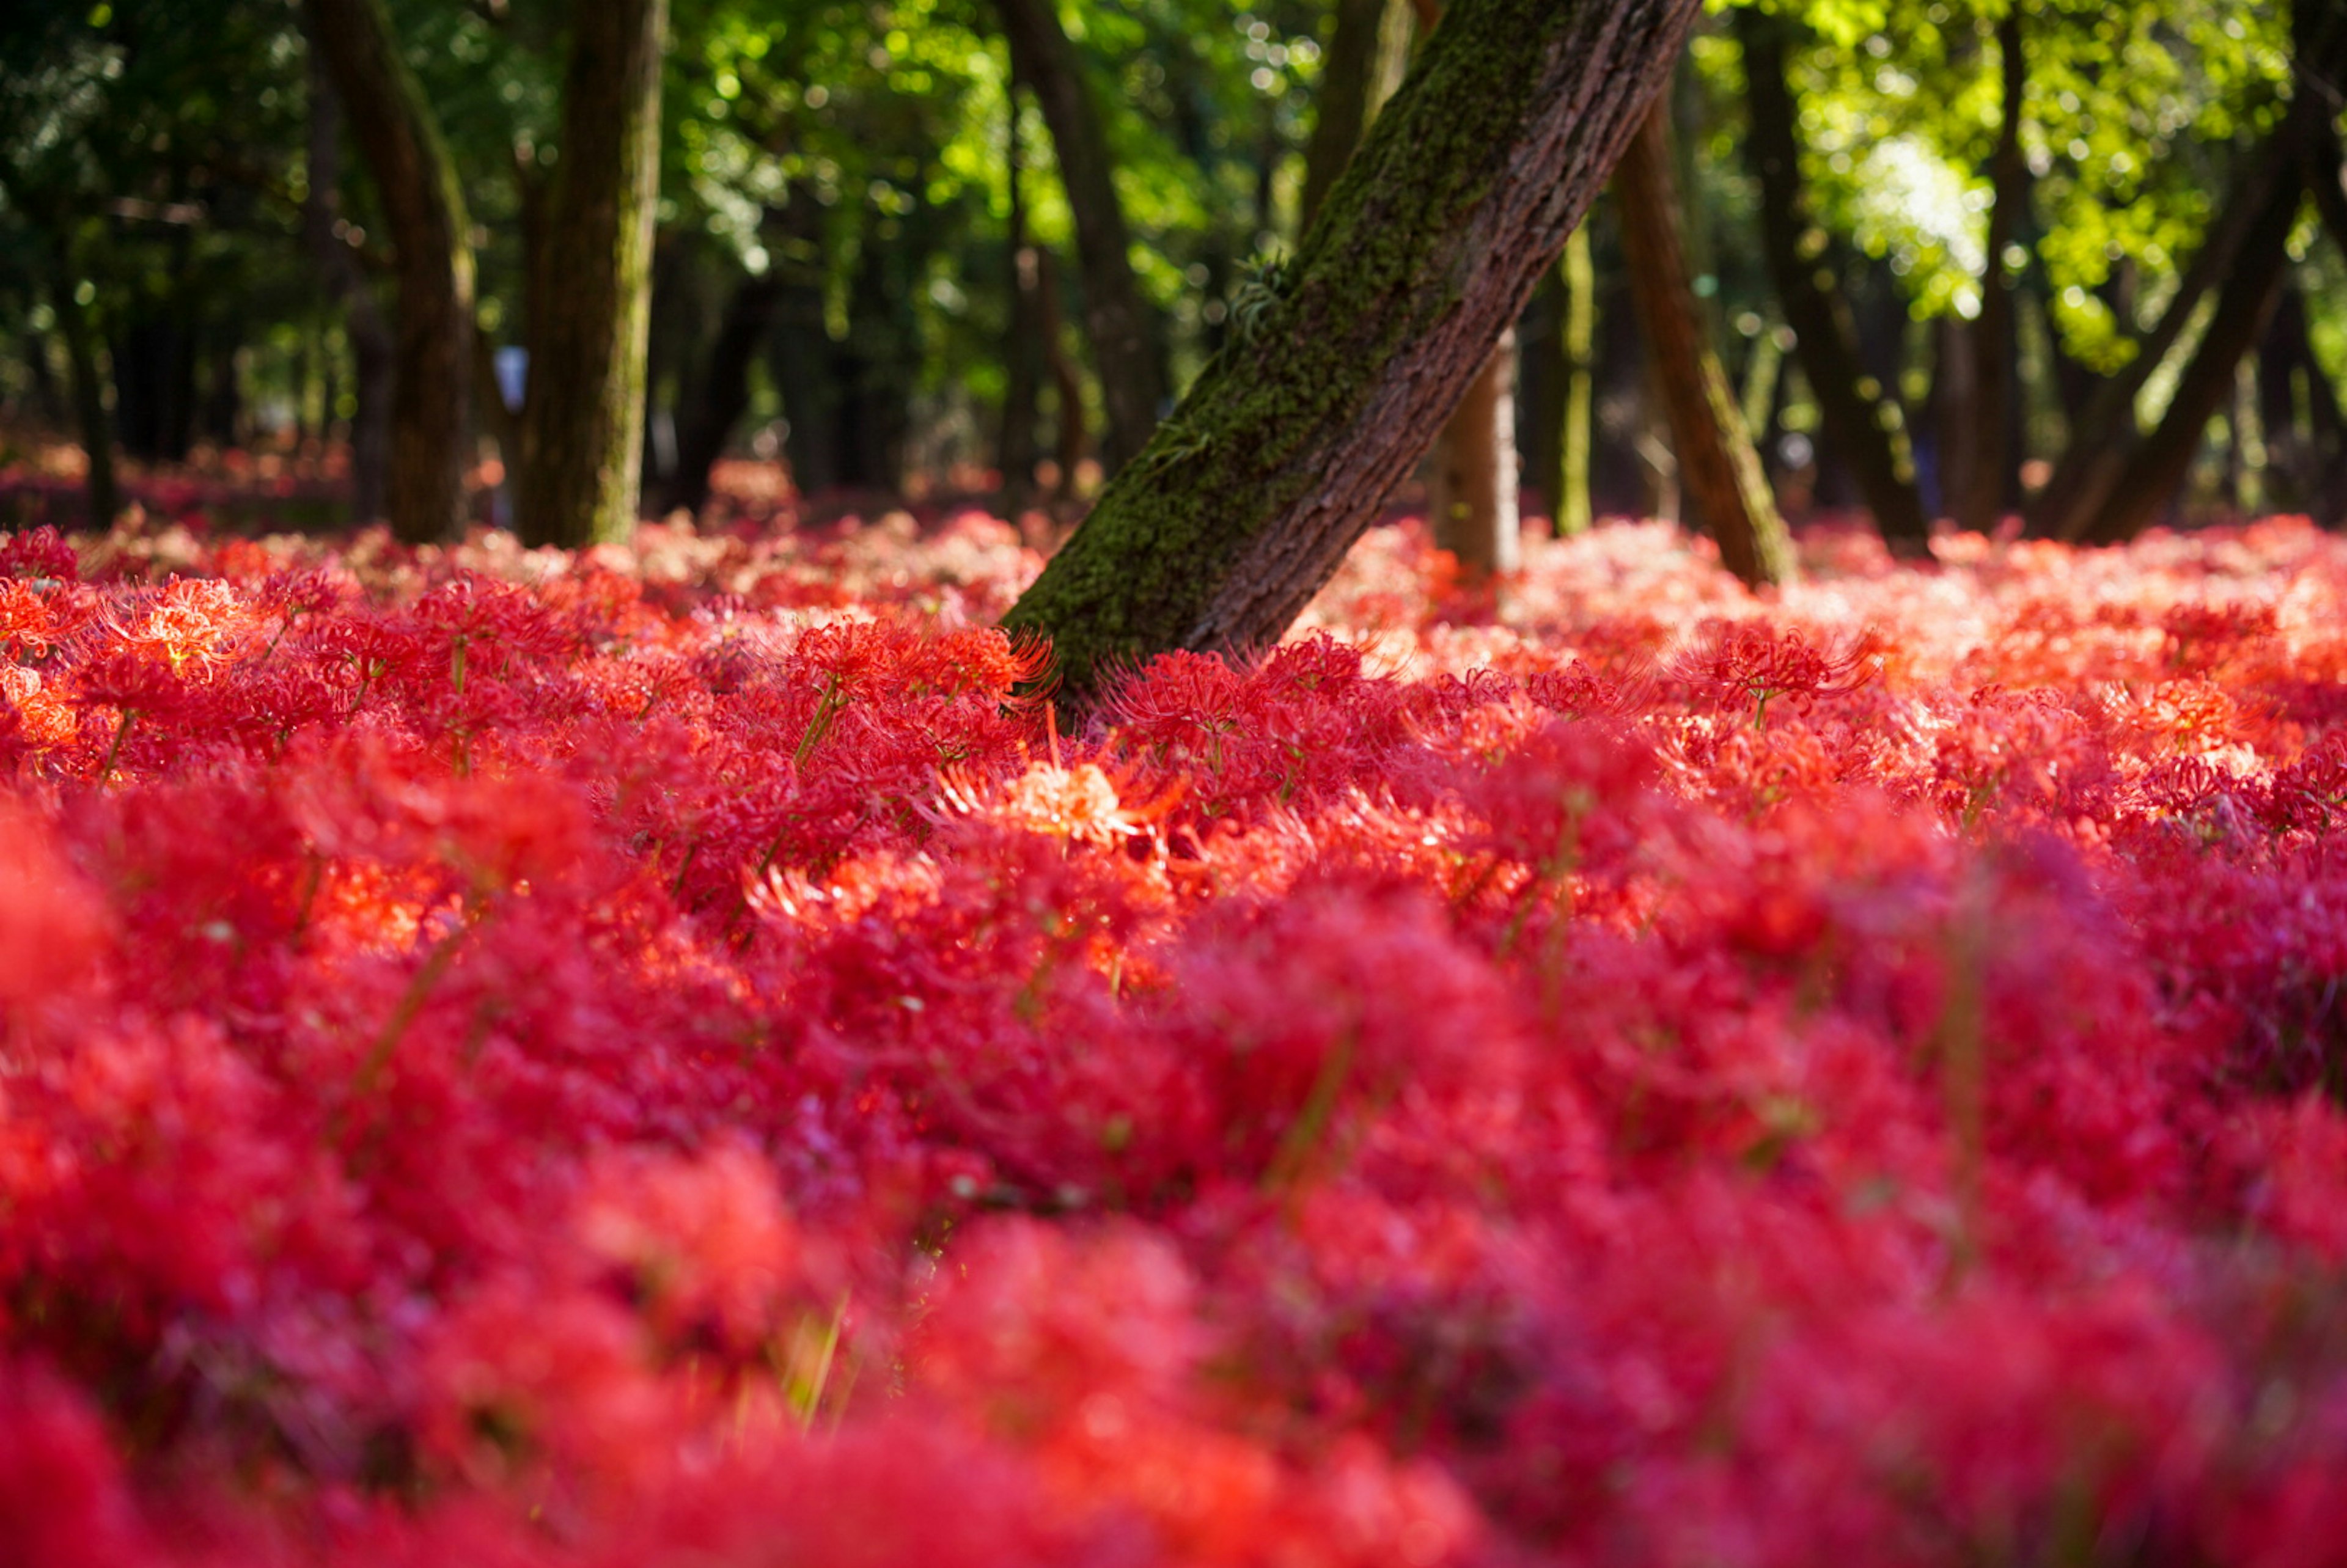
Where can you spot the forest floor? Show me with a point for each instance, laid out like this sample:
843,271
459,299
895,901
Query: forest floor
667,1056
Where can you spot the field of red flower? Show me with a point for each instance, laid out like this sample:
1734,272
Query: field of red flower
666,1057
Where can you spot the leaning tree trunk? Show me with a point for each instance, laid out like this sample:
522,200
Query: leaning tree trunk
1978,486
432,243
1462,195
1719,474
1122,329
1860,421
2158,467
369,335
2102,437
583,414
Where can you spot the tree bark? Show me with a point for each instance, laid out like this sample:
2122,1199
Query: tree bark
1979,484
1574,510
1022,351
1864,427
722,393
1472,492
363,326
1118,320
89,390
432,244
1460,197
1719,474
583,414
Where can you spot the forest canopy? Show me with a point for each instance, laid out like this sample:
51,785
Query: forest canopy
901,250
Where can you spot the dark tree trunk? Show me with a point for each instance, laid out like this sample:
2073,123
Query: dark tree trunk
431,238
1368,48
1462,196
89,390
1022,351
1978,485
2103,434
1541,382
2155,469
1071,437
1719,474
583,418
363,323
1865,431
1119,324
221,416
722,393
2288,378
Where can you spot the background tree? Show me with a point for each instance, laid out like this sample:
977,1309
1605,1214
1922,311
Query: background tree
1720,472
1123,336
417,183
581,428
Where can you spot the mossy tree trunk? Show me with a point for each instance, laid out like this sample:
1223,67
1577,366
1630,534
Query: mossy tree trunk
582,417
1720,476
431,238
1117,321
1460,198
1860,422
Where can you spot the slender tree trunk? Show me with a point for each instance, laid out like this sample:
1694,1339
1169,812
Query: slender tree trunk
1978,488
1119,322
583,417
1472,492
431,238
1719,474
2286,376
1360,71
1072,437
1863,425
1574,510
2156,467
88,389
363,326
1540,392
722,393
1022,353
1462,196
